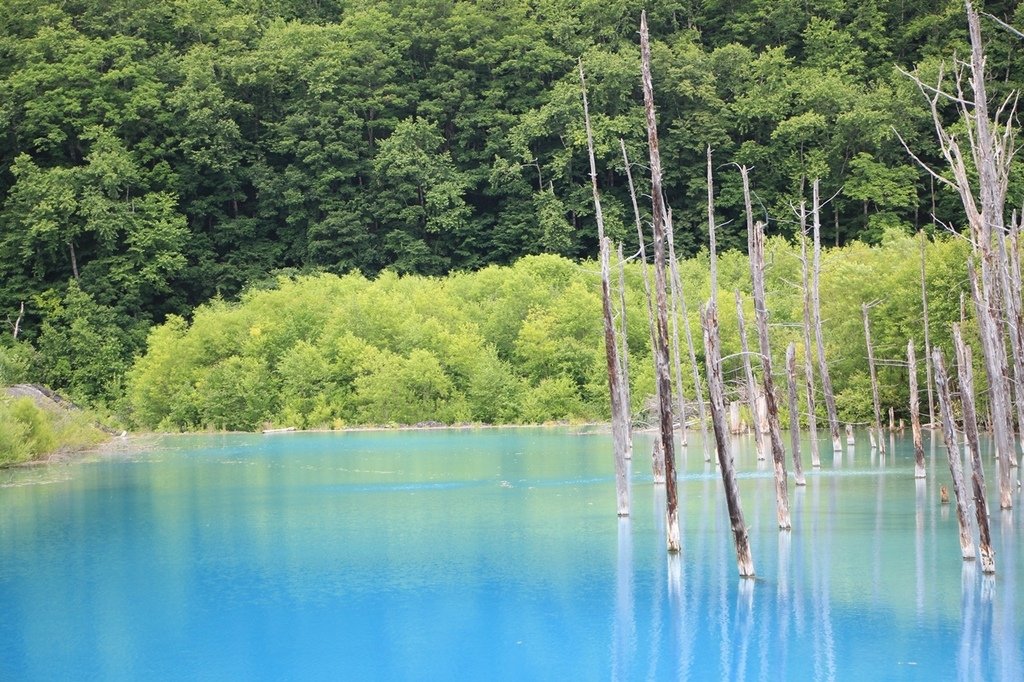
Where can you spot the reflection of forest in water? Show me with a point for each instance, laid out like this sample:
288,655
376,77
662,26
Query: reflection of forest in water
466,551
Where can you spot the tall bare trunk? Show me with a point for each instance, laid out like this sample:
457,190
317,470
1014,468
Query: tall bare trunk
819,337
953,452
751,386
716,390
927,337
966,372
915,412
794,415
619,428
874,378
675,293
627,397
1009,275
657,454
812,417
659,216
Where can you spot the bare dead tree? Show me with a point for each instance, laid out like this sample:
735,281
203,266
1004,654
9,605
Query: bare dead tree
812,417
991,151
619,429
819,337
794,415
675,292
1009,276
627,397
749,374
915,412
874,378
17,322
966,372
716,391
659,217
953,452
927,337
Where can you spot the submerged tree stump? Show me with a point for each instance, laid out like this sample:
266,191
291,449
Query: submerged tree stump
953,454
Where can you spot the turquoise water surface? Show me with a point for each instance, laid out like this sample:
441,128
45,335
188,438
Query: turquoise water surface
488,554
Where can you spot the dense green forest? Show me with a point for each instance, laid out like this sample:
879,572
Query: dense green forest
161,154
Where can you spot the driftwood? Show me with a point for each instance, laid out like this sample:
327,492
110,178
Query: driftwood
716,390
657,454
953,452
966,373
874,379
661,363
915,412
794,415
620,431
819,337
812,417
751,386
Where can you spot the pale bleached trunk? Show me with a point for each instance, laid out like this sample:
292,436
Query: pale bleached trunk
627,396
850,440
966,372
927,337
819,337
755,245
675,291
716,390
661,369
794,415
953,452
620,435
748,372
17,322
874,379
657,454
1012,305
812,417
915,412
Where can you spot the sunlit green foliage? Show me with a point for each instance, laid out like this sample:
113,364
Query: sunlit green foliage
28,431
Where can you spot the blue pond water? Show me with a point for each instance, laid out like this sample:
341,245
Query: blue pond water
487,554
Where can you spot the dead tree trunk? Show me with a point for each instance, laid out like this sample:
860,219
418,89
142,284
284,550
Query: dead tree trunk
874,379
17,322
812,417
1009,274
675,291
966,373
953,452
627,397
716,390
619,428
697,386
794,415
819,337
661,370
751,386
927,337
915,412
755,244
657,454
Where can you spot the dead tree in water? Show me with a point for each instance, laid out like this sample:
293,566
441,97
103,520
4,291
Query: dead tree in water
927,337
1009,272
819,337
657,454
794,415
915,412
874,379
812,418
620,431
627,397
716,390
966,373
661,358
675,292
989,159
749,373
755,246
953,452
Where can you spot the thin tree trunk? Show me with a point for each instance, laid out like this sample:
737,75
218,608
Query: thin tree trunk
826,380
17,322
927,337
657,454
915,412
1012,305
627,397
966,373
755,245
716,390
675,291
751,386
658,215
794,415
619,429
812,417
74,259
1016,224
953,452
697,385
874,379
